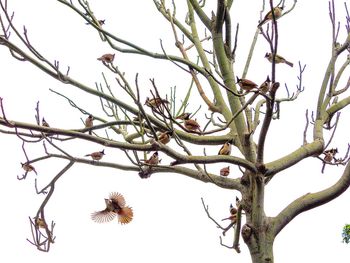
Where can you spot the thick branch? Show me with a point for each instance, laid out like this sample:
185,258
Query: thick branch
203,17
220,102
138,147
220,181
307,150
311,200
228,77
338,106
220,16
180,159
323,89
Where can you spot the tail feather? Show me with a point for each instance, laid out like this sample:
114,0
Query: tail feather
125,215
289,63
233,218
262,22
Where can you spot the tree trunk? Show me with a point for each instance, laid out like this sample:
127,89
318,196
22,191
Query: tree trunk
260,244
257,232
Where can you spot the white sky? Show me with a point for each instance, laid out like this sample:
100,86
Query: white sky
170,224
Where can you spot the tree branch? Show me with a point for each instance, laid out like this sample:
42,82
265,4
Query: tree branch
307,150
203,17
311,200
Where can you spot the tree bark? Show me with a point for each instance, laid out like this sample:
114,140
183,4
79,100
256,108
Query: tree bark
257,232
260,242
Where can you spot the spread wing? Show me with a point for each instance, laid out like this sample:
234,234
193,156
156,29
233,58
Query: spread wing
103,216
118,198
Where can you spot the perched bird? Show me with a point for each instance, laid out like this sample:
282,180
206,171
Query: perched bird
333,151
265,86
233,216
225,171
28,167
100,22
328,157
146,170
153,160
89,122
39,222
277,12
278,59
44,123
183,116
233,210
97,155
191,125
115,206
165,137
246,84
107,58
155,102
329,154
238,202
226,148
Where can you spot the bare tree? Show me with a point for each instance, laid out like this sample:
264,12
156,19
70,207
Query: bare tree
240,114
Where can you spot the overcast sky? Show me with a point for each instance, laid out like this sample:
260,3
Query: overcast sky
170,224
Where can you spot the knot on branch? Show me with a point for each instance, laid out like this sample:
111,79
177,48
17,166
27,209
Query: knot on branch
245,179
145,172
261,168
246,232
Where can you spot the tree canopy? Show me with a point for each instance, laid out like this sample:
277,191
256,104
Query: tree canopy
241,84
